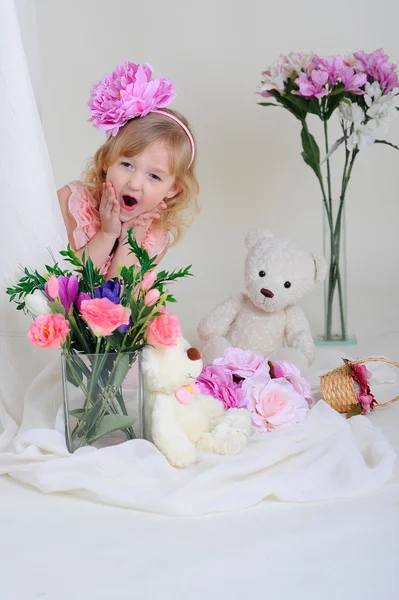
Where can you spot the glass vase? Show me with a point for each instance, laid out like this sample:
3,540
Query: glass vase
335,286
103,398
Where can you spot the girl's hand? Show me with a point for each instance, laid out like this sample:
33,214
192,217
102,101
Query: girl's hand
110,211
141,223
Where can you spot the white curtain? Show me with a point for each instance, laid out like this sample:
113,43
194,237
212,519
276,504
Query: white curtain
30,222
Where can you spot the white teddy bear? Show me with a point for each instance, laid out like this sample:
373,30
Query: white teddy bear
179,420
278,273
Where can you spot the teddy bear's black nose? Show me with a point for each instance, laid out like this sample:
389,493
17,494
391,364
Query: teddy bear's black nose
267,293
193,354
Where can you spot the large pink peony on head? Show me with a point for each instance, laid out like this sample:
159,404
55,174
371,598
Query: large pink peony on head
128,92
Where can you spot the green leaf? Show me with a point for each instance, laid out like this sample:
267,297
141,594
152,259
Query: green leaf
356,410
333,148
74,375
386,143
311,152
77,413
115,340
108,424
57,307
269,104
120,371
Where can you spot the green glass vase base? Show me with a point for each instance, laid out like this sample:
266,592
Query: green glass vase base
336,341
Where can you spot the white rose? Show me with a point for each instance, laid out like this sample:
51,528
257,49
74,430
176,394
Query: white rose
36,303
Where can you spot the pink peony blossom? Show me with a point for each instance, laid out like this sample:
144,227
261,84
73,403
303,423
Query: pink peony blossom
49,331
103,316
164,330
215,381
282,368
273,403
313,86
128,92
242,363
148,280
152,297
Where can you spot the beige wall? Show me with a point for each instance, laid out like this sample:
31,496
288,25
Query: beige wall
250,168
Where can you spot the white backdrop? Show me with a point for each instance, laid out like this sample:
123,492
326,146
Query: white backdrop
249,166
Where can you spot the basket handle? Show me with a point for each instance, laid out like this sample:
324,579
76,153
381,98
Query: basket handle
385,360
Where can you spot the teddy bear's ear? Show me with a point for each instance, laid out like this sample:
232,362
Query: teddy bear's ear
255,236
320,268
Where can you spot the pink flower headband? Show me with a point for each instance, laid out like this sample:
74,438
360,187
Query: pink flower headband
130,92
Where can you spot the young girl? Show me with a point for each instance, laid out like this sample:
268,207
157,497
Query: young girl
142,177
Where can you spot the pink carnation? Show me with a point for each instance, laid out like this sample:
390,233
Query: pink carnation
126,93
241,363
273,403
164,330
103,316
49,331
215,381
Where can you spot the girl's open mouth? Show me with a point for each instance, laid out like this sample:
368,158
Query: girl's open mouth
128,202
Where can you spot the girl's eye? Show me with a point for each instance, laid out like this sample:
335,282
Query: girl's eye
126,164
155,177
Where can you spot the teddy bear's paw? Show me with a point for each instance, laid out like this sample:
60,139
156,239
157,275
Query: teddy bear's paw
205,442
181,453
233,442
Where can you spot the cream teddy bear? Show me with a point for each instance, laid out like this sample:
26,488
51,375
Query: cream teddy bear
180,420
278,273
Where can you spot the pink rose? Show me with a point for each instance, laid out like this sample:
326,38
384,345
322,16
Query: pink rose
148,280
49,331
242,363
103,316
164,330
273,403
283,368
152,297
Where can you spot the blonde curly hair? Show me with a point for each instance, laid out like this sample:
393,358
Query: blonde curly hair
131,140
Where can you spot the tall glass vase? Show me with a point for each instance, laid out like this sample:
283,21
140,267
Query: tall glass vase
103,398
336,329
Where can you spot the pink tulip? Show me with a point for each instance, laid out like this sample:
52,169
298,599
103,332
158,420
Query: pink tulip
148,281
52,287
152,297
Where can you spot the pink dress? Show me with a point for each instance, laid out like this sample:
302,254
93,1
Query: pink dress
83,207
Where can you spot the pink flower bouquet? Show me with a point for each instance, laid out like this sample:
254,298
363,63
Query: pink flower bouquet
100,326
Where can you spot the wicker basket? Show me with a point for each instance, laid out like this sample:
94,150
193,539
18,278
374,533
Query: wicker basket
338,388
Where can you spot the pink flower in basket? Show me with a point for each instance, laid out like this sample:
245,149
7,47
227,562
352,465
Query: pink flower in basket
164,330
273,403
49,331
103,316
